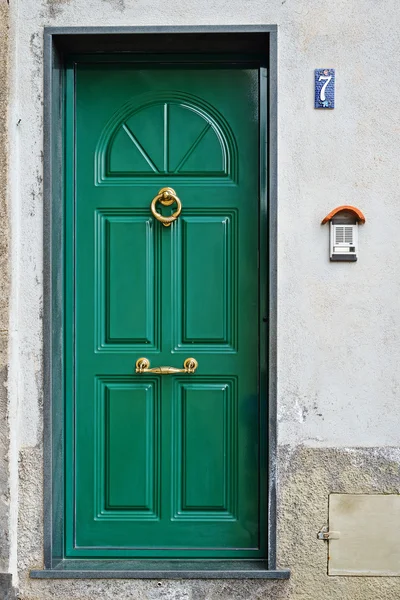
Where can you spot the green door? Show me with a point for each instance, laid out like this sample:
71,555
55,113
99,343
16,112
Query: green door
163,464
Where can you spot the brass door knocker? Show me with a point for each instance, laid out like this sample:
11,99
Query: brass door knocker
166,196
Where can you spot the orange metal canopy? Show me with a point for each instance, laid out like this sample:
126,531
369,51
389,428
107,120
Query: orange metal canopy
357,213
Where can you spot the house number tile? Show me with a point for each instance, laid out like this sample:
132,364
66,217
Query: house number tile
324,88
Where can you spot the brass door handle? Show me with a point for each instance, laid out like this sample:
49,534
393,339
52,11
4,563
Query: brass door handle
166,196
143,366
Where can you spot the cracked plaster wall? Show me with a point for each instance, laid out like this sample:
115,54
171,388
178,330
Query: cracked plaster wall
338,325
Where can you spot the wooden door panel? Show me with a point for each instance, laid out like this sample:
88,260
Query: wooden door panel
169,136
193,142
205,260
127,251
138,147
128,460
127,155
205,417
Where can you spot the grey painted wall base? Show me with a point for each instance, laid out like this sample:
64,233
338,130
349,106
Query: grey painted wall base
307,477
7,592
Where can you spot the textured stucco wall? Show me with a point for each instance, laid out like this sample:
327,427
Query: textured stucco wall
4,295
339,324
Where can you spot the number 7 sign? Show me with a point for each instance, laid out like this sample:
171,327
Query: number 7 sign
324,88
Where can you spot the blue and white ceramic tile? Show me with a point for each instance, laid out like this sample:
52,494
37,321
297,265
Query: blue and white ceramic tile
324,88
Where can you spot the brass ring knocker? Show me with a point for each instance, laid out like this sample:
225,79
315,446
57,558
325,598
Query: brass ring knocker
166,196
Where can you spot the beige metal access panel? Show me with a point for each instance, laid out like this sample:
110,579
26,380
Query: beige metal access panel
366,535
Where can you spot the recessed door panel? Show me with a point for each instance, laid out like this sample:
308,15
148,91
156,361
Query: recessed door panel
128,445
127,295
205,466
170,134
205,280
163,460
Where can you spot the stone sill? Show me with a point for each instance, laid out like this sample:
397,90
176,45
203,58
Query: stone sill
160,569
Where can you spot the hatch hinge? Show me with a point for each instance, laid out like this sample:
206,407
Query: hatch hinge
325,534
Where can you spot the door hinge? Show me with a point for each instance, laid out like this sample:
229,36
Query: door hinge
325,534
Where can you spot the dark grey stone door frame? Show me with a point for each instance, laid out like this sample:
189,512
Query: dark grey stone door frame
256,42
